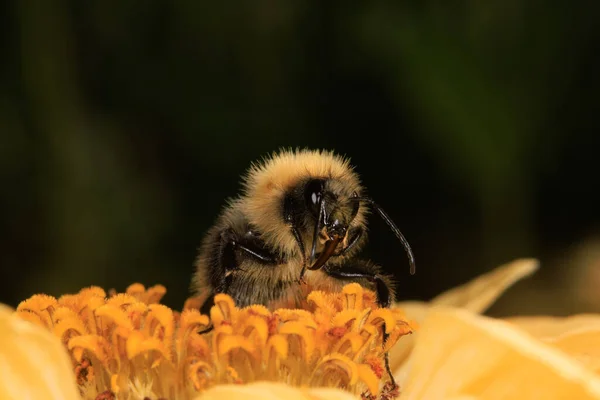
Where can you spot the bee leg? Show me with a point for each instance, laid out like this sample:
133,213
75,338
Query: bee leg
382,284
298,238
304,257
207,305
205,310
258,253
352,241
291,218
227,257
232,244
357,271
208,329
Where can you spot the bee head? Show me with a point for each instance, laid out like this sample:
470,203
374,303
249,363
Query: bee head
333,207
311,201
332,204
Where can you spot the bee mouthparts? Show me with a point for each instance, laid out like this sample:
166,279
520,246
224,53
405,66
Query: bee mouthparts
327,252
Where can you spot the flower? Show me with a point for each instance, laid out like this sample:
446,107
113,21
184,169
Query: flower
128,345
457,354
475,296
578,335
273,391
33,363
483,358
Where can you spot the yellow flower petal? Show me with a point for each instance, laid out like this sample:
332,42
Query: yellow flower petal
150,296
123,346
257,309
121,300
155,294
304,345
234,342
335,368
549,327
272,391
197,346
303,316
458,353
135,289
347,318
583,345
33,363
353,296
382,316
256,328
349,344
476,295
366,375
578,336
369,334
192,320
479,294
463,397
96,345
137,312
276,350
69,327
61,313
137,344
40,305
160,322
32,317
194,303
327,394
85,307
321,301
199,373
224,310
114,314
119,345
92,291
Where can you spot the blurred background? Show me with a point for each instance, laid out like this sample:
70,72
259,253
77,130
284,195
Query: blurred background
125,125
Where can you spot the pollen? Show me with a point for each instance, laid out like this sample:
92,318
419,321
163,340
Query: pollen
129,346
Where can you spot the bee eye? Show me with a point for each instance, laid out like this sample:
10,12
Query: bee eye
355,206
313,193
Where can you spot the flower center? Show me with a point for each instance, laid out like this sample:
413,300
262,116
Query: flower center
128,345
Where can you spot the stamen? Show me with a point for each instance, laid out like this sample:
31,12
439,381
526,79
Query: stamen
129,346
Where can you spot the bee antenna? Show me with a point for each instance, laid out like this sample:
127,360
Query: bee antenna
394,228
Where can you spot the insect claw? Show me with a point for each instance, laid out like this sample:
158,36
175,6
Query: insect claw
301,279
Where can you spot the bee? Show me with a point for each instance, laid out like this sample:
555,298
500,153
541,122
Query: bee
298,226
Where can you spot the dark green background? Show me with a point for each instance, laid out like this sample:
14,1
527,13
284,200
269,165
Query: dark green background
125,125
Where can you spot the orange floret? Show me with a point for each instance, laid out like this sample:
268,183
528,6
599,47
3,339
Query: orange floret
129,346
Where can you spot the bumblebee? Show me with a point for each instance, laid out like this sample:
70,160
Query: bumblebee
298,226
